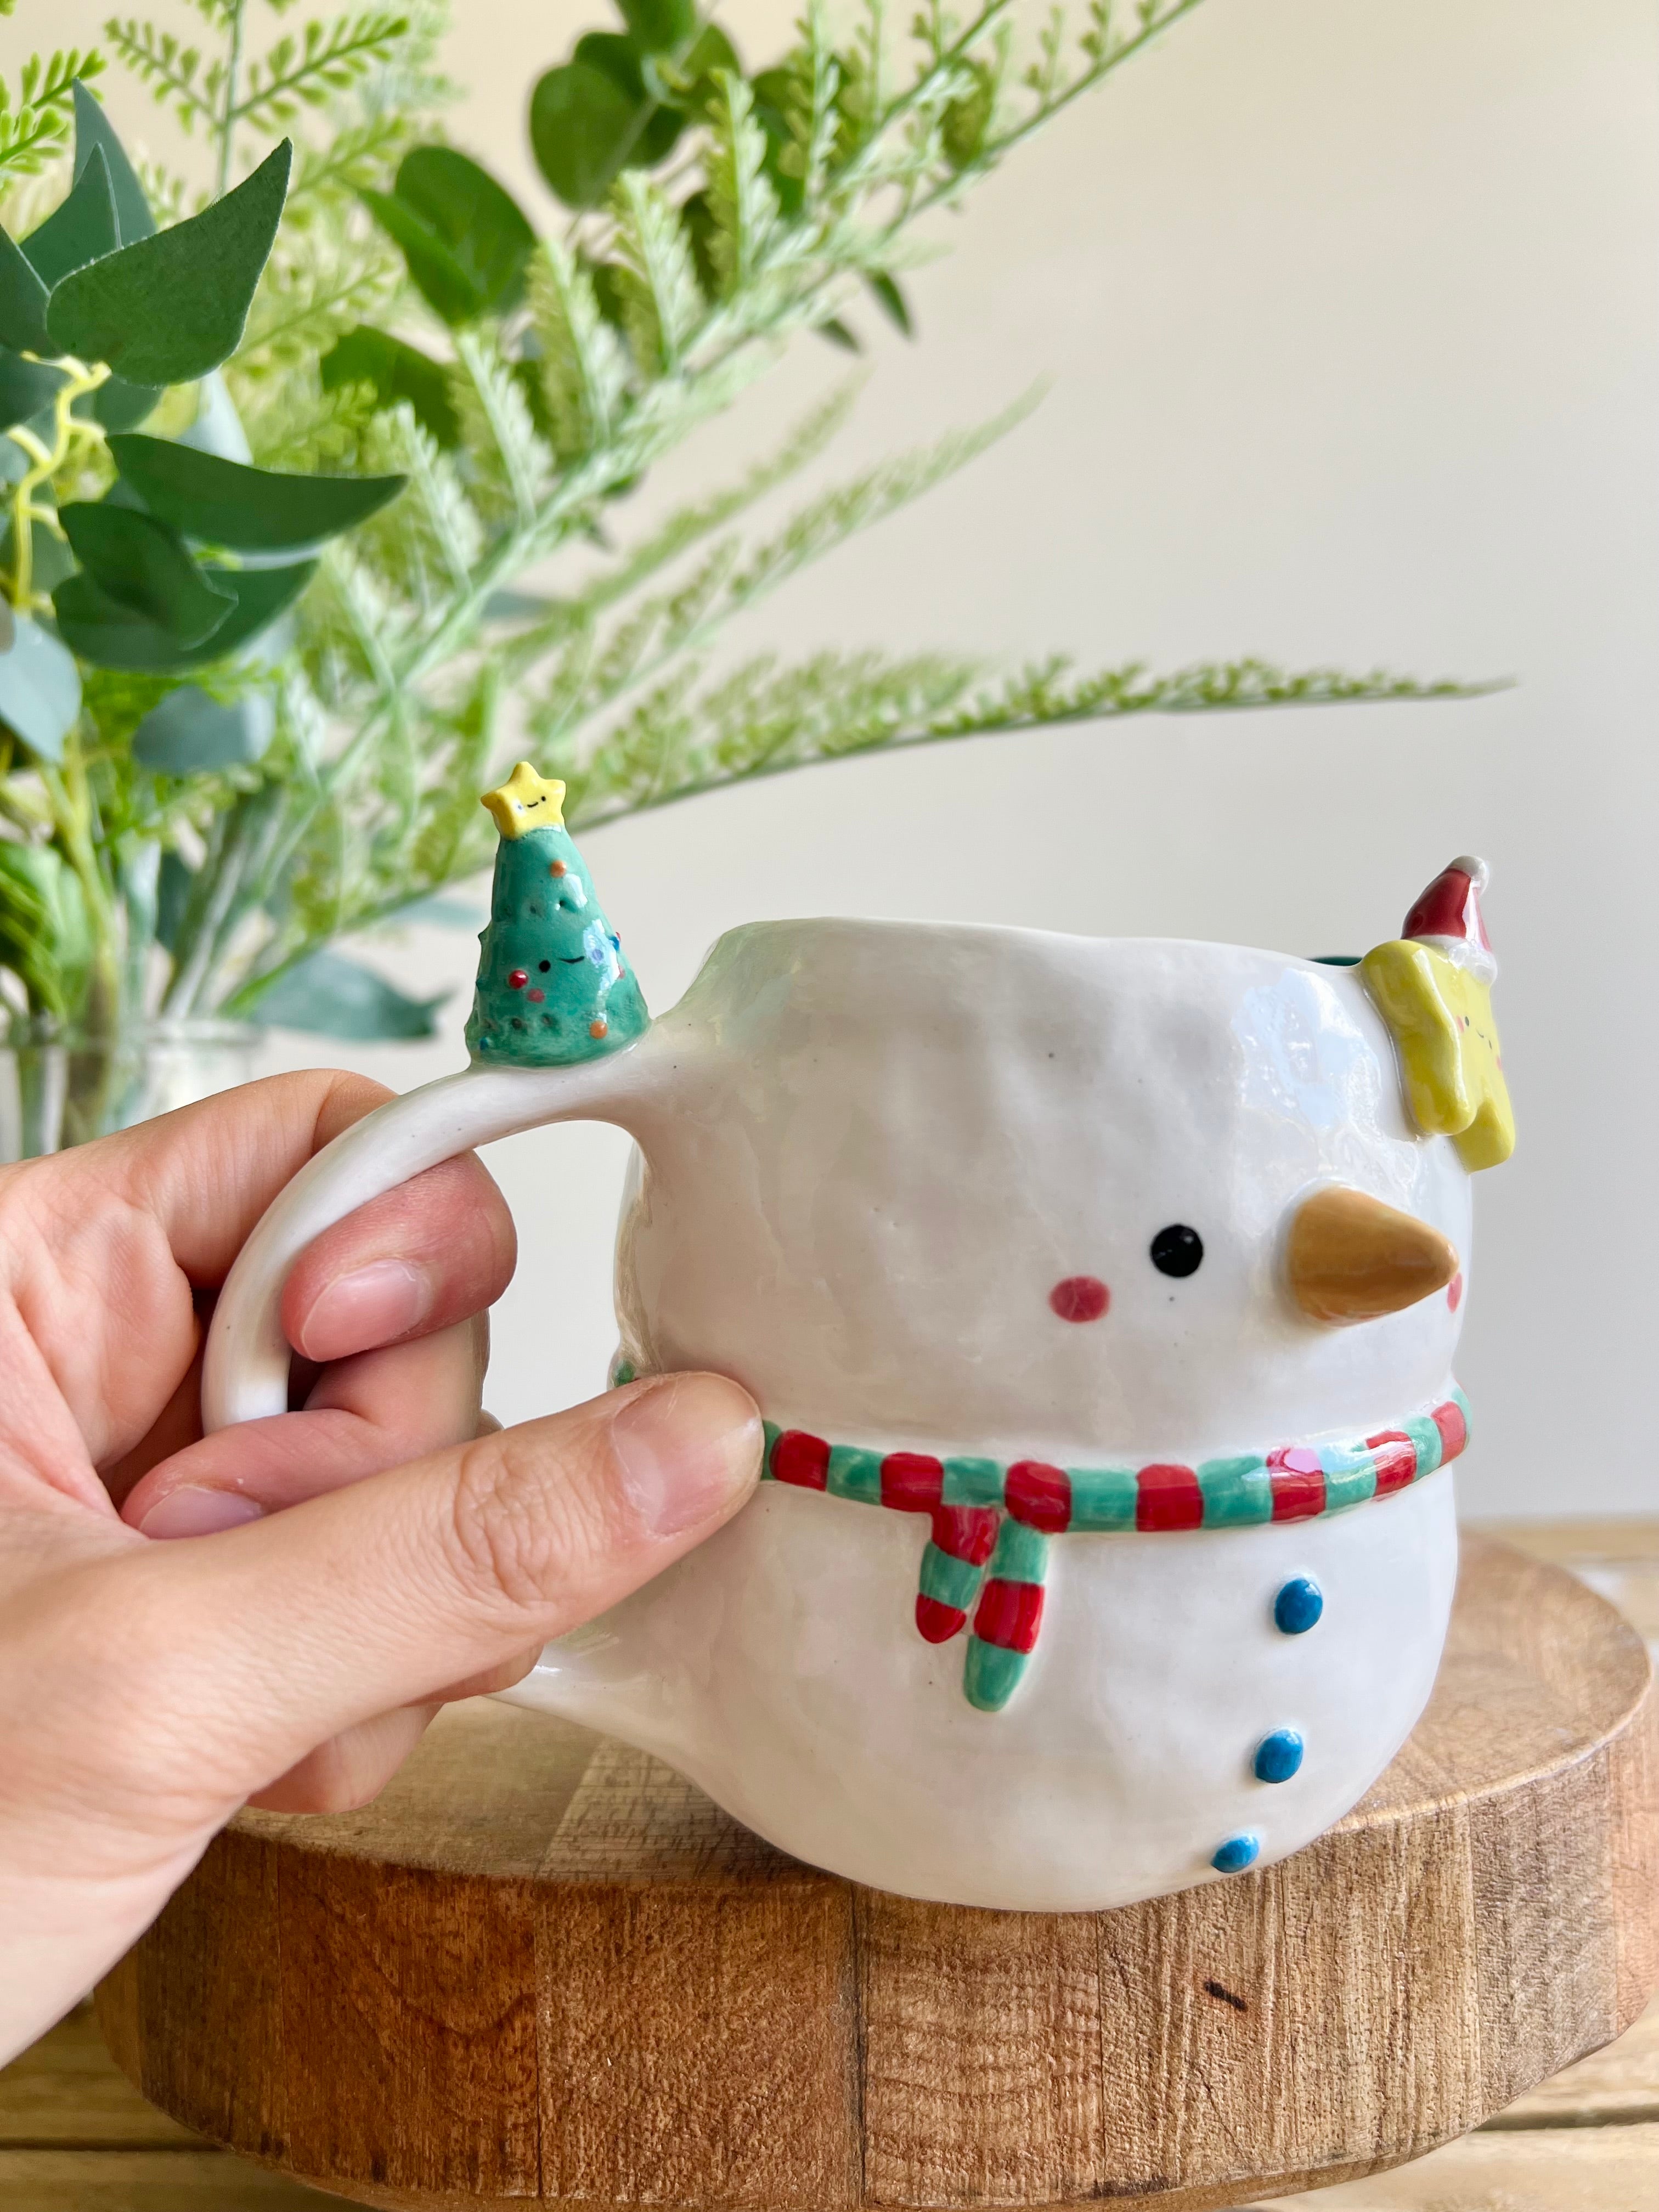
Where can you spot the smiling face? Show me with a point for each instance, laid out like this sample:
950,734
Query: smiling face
995,1191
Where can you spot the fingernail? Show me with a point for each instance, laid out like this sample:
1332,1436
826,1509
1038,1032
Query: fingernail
370,1306
195,1511
687,1449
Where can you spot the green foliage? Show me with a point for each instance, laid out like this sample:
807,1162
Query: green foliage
225,743
170,307
35,114
45,934
254,510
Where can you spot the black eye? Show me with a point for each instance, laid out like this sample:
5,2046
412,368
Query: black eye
543,965
1177,1249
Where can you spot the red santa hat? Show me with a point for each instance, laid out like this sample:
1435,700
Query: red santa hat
1447,917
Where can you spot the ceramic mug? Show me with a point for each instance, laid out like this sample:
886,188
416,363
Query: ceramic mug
1100,1296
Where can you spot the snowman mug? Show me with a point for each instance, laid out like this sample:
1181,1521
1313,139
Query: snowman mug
1100,1297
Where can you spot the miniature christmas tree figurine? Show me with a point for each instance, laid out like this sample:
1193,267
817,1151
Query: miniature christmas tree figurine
553,987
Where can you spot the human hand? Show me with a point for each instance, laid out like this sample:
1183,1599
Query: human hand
355,1562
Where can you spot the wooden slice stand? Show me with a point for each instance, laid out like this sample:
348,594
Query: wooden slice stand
543,1967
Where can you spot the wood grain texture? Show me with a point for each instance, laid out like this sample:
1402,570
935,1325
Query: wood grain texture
544,1968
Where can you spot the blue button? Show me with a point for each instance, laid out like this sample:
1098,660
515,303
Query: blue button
1278,1756
1297,1607
1236,1854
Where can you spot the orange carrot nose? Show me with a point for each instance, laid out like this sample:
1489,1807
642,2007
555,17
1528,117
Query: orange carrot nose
1350,1258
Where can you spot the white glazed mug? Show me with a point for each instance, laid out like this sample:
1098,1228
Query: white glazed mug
994,1225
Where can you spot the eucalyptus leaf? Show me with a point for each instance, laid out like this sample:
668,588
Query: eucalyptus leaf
100,628
118,404
331,996
191,730
40,689
80,231
23,296
699,71
438,274
93,129
660,26
26,387
395,372
658,125
145,566
839,335
253,510
480,222
583,129
171,307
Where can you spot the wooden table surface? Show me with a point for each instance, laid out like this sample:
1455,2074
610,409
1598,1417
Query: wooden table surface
75,2138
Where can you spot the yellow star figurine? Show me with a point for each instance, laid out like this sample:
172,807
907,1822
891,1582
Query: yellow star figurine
527,801
1440,1015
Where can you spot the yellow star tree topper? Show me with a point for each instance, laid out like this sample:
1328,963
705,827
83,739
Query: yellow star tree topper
1432,985
527,801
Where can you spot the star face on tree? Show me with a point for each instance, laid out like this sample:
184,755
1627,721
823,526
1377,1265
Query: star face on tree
527,801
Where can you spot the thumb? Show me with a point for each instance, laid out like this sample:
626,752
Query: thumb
276,1635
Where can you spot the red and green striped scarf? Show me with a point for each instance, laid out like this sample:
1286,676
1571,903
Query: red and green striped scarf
992,1520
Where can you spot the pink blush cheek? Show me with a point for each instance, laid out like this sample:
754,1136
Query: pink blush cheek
1079,1297
1454,1292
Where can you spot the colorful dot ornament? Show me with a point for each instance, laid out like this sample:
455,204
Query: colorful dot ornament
987,1559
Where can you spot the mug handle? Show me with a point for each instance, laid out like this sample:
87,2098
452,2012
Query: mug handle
245,1368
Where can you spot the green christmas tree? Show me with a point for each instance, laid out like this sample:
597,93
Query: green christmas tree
553,987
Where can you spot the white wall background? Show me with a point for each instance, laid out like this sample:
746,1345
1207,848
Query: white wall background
1349,318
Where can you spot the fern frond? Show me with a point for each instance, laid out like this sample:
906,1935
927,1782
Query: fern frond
358,154
427,542
689,526
327,58
173,72
583,375
740,195
763,720
730,581
34,124
513,467
662,300
306,300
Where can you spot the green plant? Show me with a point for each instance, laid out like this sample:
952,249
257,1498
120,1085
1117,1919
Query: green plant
241,743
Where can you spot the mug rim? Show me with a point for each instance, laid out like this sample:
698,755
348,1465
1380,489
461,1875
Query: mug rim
897,925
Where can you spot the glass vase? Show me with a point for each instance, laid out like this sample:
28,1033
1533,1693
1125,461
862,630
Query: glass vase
58,1087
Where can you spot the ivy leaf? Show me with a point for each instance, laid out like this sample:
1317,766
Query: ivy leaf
26,387
464,239
583,128
22,300
659,27
171,307
139,562
101,629
394,372
331,996
93,129
253,510
40,689
80,231
191,730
